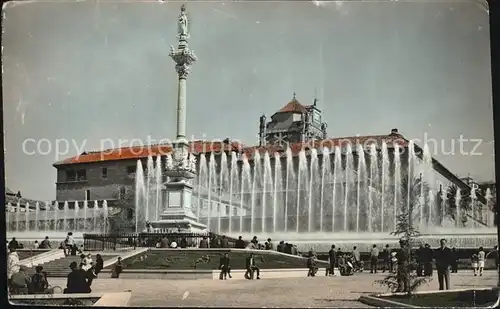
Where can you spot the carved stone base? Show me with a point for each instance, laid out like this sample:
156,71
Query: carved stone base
178,213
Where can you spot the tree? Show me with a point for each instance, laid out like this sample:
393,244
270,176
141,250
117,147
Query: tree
118,214
405,280
451,205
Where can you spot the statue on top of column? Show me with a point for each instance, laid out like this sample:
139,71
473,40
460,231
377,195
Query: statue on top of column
183,30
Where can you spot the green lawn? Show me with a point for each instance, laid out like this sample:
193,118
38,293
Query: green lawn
470,298
185,259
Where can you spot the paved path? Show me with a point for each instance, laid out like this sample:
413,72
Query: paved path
290,292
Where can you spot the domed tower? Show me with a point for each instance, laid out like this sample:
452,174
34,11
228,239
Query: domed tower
295,123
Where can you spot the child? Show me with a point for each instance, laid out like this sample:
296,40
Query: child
394,262
481,257
117,269
474,260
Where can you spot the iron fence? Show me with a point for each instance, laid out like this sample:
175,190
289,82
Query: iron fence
120,241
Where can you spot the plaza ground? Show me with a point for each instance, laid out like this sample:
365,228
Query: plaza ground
287,292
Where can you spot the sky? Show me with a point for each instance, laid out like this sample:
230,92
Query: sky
97,72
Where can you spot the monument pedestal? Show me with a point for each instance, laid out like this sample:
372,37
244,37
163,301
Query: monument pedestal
178,215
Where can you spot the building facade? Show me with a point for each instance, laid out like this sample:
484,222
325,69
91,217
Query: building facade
294,174
293,123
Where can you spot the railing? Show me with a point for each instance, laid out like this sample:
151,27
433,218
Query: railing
115,241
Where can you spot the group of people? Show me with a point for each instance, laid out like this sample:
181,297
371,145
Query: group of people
18,280
478,260
79,280
82,274
251,267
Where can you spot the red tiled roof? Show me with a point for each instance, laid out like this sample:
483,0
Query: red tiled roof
139,152
293,107
365,141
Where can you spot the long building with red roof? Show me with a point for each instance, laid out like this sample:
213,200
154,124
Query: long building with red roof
109,174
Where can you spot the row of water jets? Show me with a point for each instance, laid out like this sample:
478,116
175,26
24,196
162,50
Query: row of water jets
343,191
51,218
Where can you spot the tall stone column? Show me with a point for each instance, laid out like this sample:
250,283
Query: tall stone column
181,168
183,58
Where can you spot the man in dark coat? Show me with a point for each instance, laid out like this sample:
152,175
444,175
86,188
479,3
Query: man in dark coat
443,257
386,258
251,267
281,247
428,255
45,244
454,260
419,257
332,257
240,243
13,243
225,266
403,266
224,243
77,280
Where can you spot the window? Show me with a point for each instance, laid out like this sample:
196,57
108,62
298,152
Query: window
130,214
70,175
123,192
316,116
131,169
297,117
228,210
104,172
235,211
81,175
87,195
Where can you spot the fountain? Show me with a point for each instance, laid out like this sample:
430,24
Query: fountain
33,222
325,171
307,196
458,198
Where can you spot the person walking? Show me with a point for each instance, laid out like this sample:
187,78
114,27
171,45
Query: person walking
474,261
374,259
332,257
311,265
386,254
454,260
225,267
480,260
356,257
443,259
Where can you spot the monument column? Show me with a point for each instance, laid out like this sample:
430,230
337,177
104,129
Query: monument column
183,58
181,167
